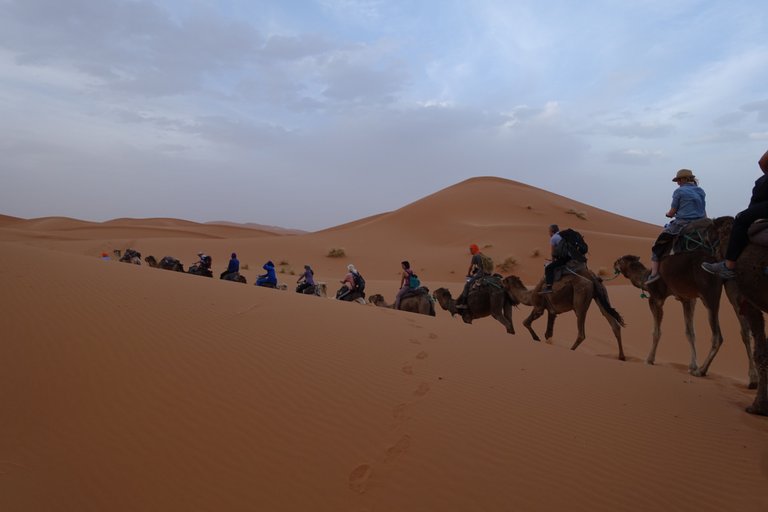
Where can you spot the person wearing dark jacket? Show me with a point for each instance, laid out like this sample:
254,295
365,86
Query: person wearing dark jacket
270,278
306,280
757,209
232,267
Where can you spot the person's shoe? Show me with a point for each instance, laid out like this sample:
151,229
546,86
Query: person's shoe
652,278
545,290
719,269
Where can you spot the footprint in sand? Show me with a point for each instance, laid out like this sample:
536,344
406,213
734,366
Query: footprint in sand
358,478
399,411
432,336
414,341
407,369
422,390
422,355
400,447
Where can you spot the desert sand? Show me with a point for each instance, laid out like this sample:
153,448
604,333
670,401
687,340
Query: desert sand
125,387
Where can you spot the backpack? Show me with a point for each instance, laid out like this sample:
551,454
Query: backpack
572,245
359,282
413,281
486,263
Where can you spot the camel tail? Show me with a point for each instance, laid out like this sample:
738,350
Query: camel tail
601,296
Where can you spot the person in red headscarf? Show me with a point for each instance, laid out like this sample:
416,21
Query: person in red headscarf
474,272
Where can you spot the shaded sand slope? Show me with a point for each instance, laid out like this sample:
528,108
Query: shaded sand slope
129,388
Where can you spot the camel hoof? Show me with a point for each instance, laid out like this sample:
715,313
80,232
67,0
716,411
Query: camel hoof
752,385
698,373
649,362
622,358
761,409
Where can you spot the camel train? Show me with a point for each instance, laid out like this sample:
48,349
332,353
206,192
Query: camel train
681,277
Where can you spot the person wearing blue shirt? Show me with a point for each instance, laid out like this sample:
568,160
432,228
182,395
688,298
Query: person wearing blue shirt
232,267
688,204
270,278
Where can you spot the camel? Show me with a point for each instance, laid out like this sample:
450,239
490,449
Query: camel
752,283
420,303
199,270
234,276
483,301
167,263
573,292
320,289
683,278
130,256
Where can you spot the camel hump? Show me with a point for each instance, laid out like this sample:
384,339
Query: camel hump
695,236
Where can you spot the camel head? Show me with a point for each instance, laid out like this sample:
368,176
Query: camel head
151,261
443,297
376,299
623,264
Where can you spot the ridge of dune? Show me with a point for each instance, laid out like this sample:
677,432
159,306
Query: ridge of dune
131,388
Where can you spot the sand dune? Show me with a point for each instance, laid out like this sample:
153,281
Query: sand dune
131,388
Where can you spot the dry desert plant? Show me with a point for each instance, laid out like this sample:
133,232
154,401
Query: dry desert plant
336,252
579,214
508,264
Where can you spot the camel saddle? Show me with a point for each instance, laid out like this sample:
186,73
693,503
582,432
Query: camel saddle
413,292
694,237
488,280
572,267
758,232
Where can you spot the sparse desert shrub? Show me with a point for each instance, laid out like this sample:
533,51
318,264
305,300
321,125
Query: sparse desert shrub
579,214
529,207
487,246
283,263
336,252
292,272
245,266
536,253
282,270
452,272
508,264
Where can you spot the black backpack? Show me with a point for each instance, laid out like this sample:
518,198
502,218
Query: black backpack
572,245
359,282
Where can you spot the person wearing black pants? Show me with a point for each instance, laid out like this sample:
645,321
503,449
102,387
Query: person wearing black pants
758,209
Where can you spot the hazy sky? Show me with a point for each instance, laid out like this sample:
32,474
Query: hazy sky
308,114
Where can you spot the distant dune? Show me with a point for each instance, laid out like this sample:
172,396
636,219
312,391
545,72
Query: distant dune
130,388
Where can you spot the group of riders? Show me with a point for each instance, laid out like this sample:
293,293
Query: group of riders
567,248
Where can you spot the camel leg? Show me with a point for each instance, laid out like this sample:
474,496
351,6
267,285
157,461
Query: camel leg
689,305
550,325
717,335
507,313
615,327
504,321
757,324
535,313
657,312
731,291
581,317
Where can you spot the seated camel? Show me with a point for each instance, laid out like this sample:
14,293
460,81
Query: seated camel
319,289
572,292
752,283
416,303
683,278
484,300
234,276
131,256
166,263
